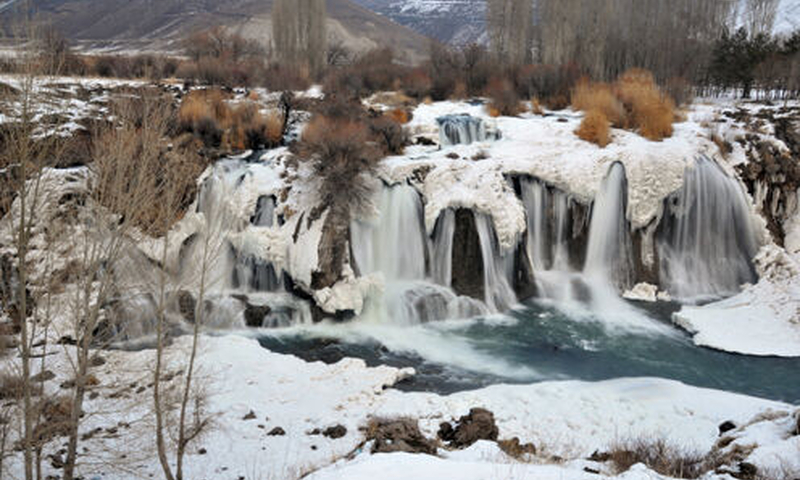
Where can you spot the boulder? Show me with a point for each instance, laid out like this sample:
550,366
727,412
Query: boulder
467,260
334,432
479,424
254,315
399,435
726,426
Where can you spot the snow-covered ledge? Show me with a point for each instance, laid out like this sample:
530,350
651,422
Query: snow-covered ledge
764,319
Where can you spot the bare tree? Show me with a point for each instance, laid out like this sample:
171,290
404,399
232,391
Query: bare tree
606,37
759,16
299,32
510,25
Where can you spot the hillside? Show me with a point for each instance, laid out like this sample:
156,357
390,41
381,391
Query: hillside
124,25
449,21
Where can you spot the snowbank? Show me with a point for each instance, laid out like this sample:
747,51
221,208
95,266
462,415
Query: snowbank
568,419
764,319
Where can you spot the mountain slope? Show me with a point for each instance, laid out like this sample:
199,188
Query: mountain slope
161,24
449,21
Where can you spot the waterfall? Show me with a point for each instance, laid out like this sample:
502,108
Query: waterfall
462,128
394,247
394,242
533,198
706,240
265,211
608,251
496,276
442,255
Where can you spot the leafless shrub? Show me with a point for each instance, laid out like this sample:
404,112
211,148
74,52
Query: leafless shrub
660,456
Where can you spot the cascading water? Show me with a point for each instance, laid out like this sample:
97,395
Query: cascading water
462,128
589,293
442,251
499,294
394,246
706,240
393,243
608,251
533,198
242,287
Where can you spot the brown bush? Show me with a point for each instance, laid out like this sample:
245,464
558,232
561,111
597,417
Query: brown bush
205,114
340,151
389,133
504,99
661,457
595,128
400,115
599,97
649,110
536,106
283,77
417,84
251,130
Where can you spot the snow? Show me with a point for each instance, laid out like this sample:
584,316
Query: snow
764,319
567,419
547,148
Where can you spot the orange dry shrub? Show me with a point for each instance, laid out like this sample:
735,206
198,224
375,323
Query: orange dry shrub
536,106
595,128
204,104
649,109
399,115
600,97
250,129
504,98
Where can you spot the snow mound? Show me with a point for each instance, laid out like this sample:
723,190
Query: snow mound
764,319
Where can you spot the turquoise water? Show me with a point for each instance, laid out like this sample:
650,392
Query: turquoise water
539,342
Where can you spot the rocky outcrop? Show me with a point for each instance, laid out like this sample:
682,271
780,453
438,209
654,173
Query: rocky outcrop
479,424
467,259
333,250
398,435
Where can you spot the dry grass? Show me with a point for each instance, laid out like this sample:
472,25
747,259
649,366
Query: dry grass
659,456
649,109
207,115
599,97
536,106
504,98
595,128
399,115
633,102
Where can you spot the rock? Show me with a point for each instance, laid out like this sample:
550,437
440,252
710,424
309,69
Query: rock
202,451
726,426
43,376
251,415
254,315
747,471
515,449
797,425
97,361
467,261
187,305
277,432
399,435
479,424
337,431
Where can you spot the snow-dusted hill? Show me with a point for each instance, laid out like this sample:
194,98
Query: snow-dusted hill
449,21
